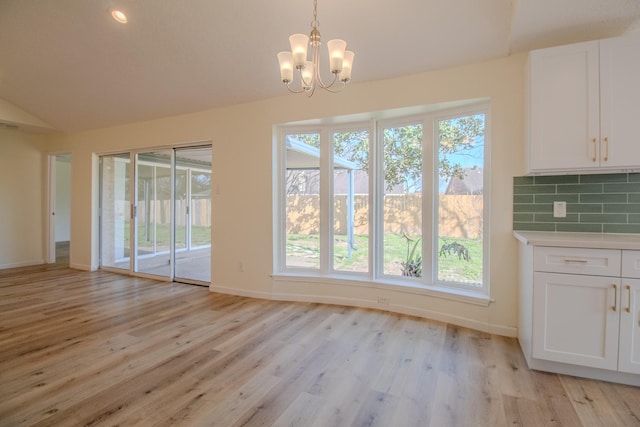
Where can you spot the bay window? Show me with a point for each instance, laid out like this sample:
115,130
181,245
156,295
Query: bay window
394,202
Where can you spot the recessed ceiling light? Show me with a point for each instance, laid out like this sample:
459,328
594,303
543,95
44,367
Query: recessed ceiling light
119,16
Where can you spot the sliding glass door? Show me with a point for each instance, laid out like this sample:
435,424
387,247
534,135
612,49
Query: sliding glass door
115,208
153,213
169,219
193,214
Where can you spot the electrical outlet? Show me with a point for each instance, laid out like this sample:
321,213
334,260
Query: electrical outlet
384,301
559,209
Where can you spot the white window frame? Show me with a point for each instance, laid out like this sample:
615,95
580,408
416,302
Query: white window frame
351,127
486,195
326,273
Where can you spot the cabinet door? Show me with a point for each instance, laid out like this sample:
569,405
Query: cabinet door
629,359
564,107
574,320
619,106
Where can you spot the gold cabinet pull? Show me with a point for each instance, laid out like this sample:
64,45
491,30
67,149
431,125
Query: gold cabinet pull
628,309
606,148
575,261
595,150
615,298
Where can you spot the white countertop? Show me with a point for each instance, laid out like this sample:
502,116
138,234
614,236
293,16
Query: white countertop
579,240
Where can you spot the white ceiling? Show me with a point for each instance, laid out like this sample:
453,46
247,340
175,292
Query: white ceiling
70,64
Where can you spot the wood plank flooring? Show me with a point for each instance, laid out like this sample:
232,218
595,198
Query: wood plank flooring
87,349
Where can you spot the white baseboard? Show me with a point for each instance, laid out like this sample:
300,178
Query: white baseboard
82,267
507,331
22,264
241,292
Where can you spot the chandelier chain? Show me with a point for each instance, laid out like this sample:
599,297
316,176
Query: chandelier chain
315,22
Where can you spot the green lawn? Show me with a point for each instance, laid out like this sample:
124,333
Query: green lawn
200,235
303,251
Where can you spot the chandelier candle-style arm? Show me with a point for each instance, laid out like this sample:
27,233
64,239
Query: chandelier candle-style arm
340,61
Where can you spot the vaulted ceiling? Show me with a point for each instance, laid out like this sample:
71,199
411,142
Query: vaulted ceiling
70,64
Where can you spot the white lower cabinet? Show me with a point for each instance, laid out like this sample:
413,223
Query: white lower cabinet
574,321
629,357
585,312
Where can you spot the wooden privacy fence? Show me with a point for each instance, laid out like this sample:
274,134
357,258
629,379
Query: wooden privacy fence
200,211
460,215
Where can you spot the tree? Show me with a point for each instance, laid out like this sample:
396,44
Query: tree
402,149
458,136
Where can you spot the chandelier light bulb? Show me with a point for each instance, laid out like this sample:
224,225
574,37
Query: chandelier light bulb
307,75
345,74
286,66
299,44
336,54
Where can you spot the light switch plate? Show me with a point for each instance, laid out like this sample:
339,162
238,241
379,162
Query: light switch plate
559,209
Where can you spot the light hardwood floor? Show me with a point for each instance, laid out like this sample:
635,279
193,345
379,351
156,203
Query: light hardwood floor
87,349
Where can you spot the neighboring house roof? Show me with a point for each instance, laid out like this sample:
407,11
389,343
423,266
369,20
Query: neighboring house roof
472,183
304,156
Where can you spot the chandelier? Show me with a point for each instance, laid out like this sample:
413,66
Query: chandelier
340,61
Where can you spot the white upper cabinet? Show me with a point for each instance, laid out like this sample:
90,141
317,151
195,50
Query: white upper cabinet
583,104
620,101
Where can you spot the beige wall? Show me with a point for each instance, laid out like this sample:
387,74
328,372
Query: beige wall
22,208
242,139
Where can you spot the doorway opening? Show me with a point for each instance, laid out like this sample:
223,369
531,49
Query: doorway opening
59,239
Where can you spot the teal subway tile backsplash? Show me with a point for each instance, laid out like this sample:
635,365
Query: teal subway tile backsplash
621,228
621,188
579,228
604,198
558,179
622,208
534,226
602,178
550,198
579,188
599,203
534,189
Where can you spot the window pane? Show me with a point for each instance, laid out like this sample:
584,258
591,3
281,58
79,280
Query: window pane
181,208
351,201
302,192
402,164
200,211
193,213
460,200
116,211
153,212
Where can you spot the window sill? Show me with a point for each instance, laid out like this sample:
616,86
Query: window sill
436,291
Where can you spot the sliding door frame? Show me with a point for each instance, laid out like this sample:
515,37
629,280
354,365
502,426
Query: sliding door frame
133,193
